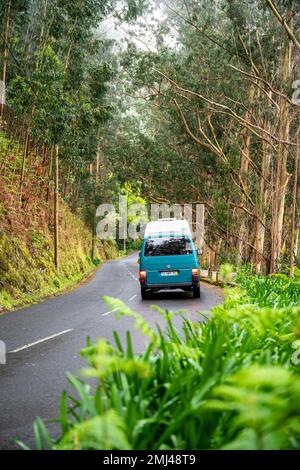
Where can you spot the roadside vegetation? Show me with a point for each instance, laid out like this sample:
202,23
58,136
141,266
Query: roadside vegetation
27,263
27,269
181,102
167,102
52,174
196,101
231,382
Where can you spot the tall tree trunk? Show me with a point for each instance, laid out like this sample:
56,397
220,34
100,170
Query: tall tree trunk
68,57
20,138
262,199
49,174
294,235
96,186
243,173
5,57
56,208
25,154
281,176
97,169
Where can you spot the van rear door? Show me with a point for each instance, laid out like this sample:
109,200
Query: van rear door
169,260
169,269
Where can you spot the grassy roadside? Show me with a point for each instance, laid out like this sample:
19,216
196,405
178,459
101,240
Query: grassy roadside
66,285
52,286
27,299
27,272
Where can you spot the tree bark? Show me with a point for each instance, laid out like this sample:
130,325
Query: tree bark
96,186
281,176
294,234
243,173
5,56
49,174
262,200
25,154
56,209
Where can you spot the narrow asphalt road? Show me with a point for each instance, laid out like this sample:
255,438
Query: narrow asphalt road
43,341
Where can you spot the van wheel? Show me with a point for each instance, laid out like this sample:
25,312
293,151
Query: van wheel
196,292
144,294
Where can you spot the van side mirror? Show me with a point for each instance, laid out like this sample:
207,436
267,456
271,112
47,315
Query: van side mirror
199,251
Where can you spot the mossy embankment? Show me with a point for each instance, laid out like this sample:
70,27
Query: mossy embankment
27,271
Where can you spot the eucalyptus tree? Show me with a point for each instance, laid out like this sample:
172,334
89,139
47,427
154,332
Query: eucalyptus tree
225,88
57,72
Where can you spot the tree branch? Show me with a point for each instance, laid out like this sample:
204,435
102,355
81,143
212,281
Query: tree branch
285,25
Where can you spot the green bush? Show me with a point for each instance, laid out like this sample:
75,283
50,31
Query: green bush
226,383
276,290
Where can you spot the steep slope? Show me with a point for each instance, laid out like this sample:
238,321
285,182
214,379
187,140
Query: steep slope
27,271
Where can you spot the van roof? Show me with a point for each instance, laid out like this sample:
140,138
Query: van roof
167,226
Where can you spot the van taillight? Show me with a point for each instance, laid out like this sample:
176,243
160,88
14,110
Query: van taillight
143,275
195,272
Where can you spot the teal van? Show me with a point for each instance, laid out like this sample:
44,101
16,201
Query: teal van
168,259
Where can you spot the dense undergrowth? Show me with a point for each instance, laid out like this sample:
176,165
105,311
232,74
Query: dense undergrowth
27,271
229,383
273,291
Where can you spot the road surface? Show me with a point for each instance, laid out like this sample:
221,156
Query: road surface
43,341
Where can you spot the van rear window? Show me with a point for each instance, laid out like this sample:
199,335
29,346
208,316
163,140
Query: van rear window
168,246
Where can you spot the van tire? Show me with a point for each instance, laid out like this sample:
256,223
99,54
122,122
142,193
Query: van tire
196,292
144,294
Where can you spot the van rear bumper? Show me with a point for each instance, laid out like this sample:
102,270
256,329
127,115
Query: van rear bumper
173,285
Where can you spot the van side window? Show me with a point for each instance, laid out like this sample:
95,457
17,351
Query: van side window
168,246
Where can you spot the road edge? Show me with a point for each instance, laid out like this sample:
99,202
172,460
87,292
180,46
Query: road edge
86,277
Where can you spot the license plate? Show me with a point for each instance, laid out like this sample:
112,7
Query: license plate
169,273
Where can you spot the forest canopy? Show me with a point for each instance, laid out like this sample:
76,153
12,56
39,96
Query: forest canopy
196,101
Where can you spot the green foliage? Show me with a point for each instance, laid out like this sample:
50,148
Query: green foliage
226,383
184,132
264,403
59,73
226,271
100,432
276,290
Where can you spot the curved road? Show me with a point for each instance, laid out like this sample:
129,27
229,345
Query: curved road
43,341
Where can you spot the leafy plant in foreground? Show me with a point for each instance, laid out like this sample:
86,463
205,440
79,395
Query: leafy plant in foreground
225,383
